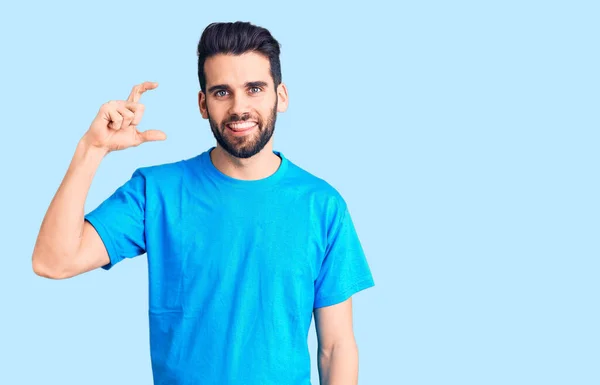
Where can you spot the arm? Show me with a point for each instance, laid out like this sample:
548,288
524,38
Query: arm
67,245
337,351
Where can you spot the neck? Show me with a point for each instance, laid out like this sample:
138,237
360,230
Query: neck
259,166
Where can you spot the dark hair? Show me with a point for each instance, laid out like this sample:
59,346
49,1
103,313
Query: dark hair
237,38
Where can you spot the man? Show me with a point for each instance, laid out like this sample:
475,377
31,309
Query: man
242,245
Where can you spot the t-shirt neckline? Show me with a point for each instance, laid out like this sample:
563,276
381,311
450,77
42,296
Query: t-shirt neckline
216,174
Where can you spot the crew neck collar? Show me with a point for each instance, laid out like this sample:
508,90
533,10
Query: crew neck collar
213,172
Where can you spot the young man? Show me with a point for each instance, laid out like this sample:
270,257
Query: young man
242,245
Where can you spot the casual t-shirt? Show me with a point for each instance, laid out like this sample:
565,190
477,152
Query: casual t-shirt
235,268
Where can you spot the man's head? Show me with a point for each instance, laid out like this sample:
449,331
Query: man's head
240,82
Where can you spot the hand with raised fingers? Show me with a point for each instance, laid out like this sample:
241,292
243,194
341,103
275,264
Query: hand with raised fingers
115,126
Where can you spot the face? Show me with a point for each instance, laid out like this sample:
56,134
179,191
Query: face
241,103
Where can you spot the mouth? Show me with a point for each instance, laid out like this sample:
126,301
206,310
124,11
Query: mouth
241,127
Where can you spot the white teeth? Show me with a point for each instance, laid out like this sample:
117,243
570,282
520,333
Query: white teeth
241,126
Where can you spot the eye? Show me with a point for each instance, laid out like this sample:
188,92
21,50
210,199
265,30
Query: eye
218,93
256,88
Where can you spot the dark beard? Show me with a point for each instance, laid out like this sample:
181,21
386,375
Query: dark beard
244,147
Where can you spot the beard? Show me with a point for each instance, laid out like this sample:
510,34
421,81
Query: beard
248,145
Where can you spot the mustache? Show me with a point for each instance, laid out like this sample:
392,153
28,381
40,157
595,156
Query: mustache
236,118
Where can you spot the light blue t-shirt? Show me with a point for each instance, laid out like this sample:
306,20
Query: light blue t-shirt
235,268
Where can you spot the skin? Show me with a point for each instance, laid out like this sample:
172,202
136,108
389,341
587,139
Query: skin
67,245
337,353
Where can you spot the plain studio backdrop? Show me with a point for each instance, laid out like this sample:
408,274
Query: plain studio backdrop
463,135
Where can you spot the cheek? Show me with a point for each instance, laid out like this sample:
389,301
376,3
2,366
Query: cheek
265,108
216,112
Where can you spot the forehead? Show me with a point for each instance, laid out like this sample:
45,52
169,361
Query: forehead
236,70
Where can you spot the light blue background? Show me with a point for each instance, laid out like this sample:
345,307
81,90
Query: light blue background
463,136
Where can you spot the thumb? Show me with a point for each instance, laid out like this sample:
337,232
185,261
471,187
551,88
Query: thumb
152,135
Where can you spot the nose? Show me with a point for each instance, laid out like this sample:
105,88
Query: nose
240,105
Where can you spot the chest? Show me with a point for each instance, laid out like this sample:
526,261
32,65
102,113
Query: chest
230,248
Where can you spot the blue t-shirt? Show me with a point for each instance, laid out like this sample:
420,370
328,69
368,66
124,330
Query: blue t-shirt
235,268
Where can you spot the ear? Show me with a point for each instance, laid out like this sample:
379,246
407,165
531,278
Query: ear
282,98
202,104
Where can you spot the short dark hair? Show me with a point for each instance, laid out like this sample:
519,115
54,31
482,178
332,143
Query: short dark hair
238,38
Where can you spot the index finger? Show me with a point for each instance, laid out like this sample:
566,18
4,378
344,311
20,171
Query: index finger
139,89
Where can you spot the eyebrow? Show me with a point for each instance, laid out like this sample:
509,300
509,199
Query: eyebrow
247,85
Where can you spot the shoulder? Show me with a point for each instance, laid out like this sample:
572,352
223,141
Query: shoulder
160,184
163,182
319,191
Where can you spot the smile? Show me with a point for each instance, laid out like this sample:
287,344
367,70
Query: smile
241,128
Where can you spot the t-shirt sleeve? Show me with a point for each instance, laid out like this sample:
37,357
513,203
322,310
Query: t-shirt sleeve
119,220
344,270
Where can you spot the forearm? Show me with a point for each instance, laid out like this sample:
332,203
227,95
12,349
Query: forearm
338,365
60,233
